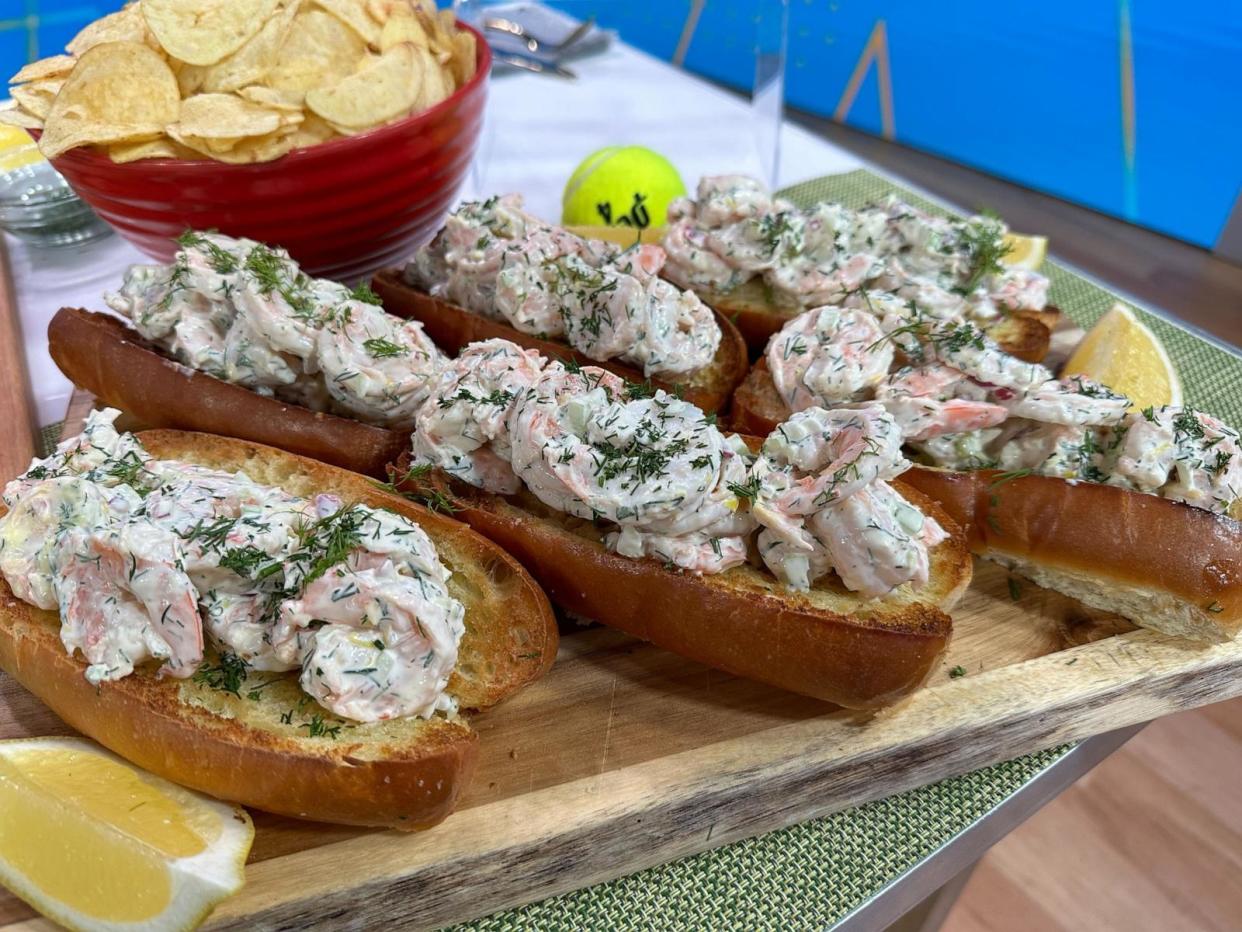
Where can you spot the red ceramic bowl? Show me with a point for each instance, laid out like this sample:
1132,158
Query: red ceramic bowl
343,208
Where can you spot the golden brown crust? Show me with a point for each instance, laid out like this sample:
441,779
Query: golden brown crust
757,405
452,327
102,355
1102,531
829,643
406,774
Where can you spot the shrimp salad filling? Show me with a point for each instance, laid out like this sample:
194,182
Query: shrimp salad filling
734,231
665,483
962,402
145,558
245,313
824,503
496,260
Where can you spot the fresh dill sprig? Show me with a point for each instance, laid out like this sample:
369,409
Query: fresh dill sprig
986,246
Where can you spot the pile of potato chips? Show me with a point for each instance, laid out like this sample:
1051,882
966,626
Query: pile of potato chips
240,80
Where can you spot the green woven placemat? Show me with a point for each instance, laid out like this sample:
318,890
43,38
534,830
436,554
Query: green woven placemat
811,875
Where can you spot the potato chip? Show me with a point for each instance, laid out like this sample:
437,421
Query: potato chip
202,32
36,96
191,78
319,50
57,66
272,99
353,13
125,25
244,152
118,92
312,131
12,115
162,148
376,94
436,82
465,56
224,116
250,63
402,26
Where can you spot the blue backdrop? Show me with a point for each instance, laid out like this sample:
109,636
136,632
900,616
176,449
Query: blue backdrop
1133,108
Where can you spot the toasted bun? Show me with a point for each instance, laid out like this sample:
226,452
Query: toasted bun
1162,564
405,773
758,314
828,643
452,327
99,353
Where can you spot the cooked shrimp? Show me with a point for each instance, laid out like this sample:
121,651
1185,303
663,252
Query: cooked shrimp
823,503
609,314
828,355
1182,454
692,263
374,644
1076,400
582,445
464,428
1019,289
876,540
31,530
123,599
935,399
839,452
375,365
523,296
99,453
964,346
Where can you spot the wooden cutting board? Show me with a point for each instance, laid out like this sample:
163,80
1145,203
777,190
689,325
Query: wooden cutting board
626,756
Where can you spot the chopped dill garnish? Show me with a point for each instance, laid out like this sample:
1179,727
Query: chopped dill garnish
364,294
379,348
248,561
318,728
748,490
226,676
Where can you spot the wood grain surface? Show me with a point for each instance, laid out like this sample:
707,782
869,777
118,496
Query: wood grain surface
625,756
16,403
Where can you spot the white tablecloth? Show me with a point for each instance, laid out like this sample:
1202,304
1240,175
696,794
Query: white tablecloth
539,128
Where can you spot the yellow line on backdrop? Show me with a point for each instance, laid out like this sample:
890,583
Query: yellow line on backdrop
876,50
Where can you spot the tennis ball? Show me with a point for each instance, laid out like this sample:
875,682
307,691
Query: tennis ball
621,186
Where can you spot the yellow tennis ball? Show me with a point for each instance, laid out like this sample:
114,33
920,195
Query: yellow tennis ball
621,186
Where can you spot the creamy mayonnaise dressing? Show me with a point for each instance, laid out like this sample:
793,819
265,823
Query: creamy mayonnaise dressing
496,260
245,313
140,555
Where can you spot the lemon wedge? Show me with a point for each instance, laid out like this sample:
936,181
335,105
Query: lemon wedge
1120,352
622,236
95,843
1025,252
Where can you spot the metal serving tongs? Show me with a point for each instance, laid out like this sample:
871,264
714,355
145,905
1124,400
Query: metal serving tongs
554,50
544,56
